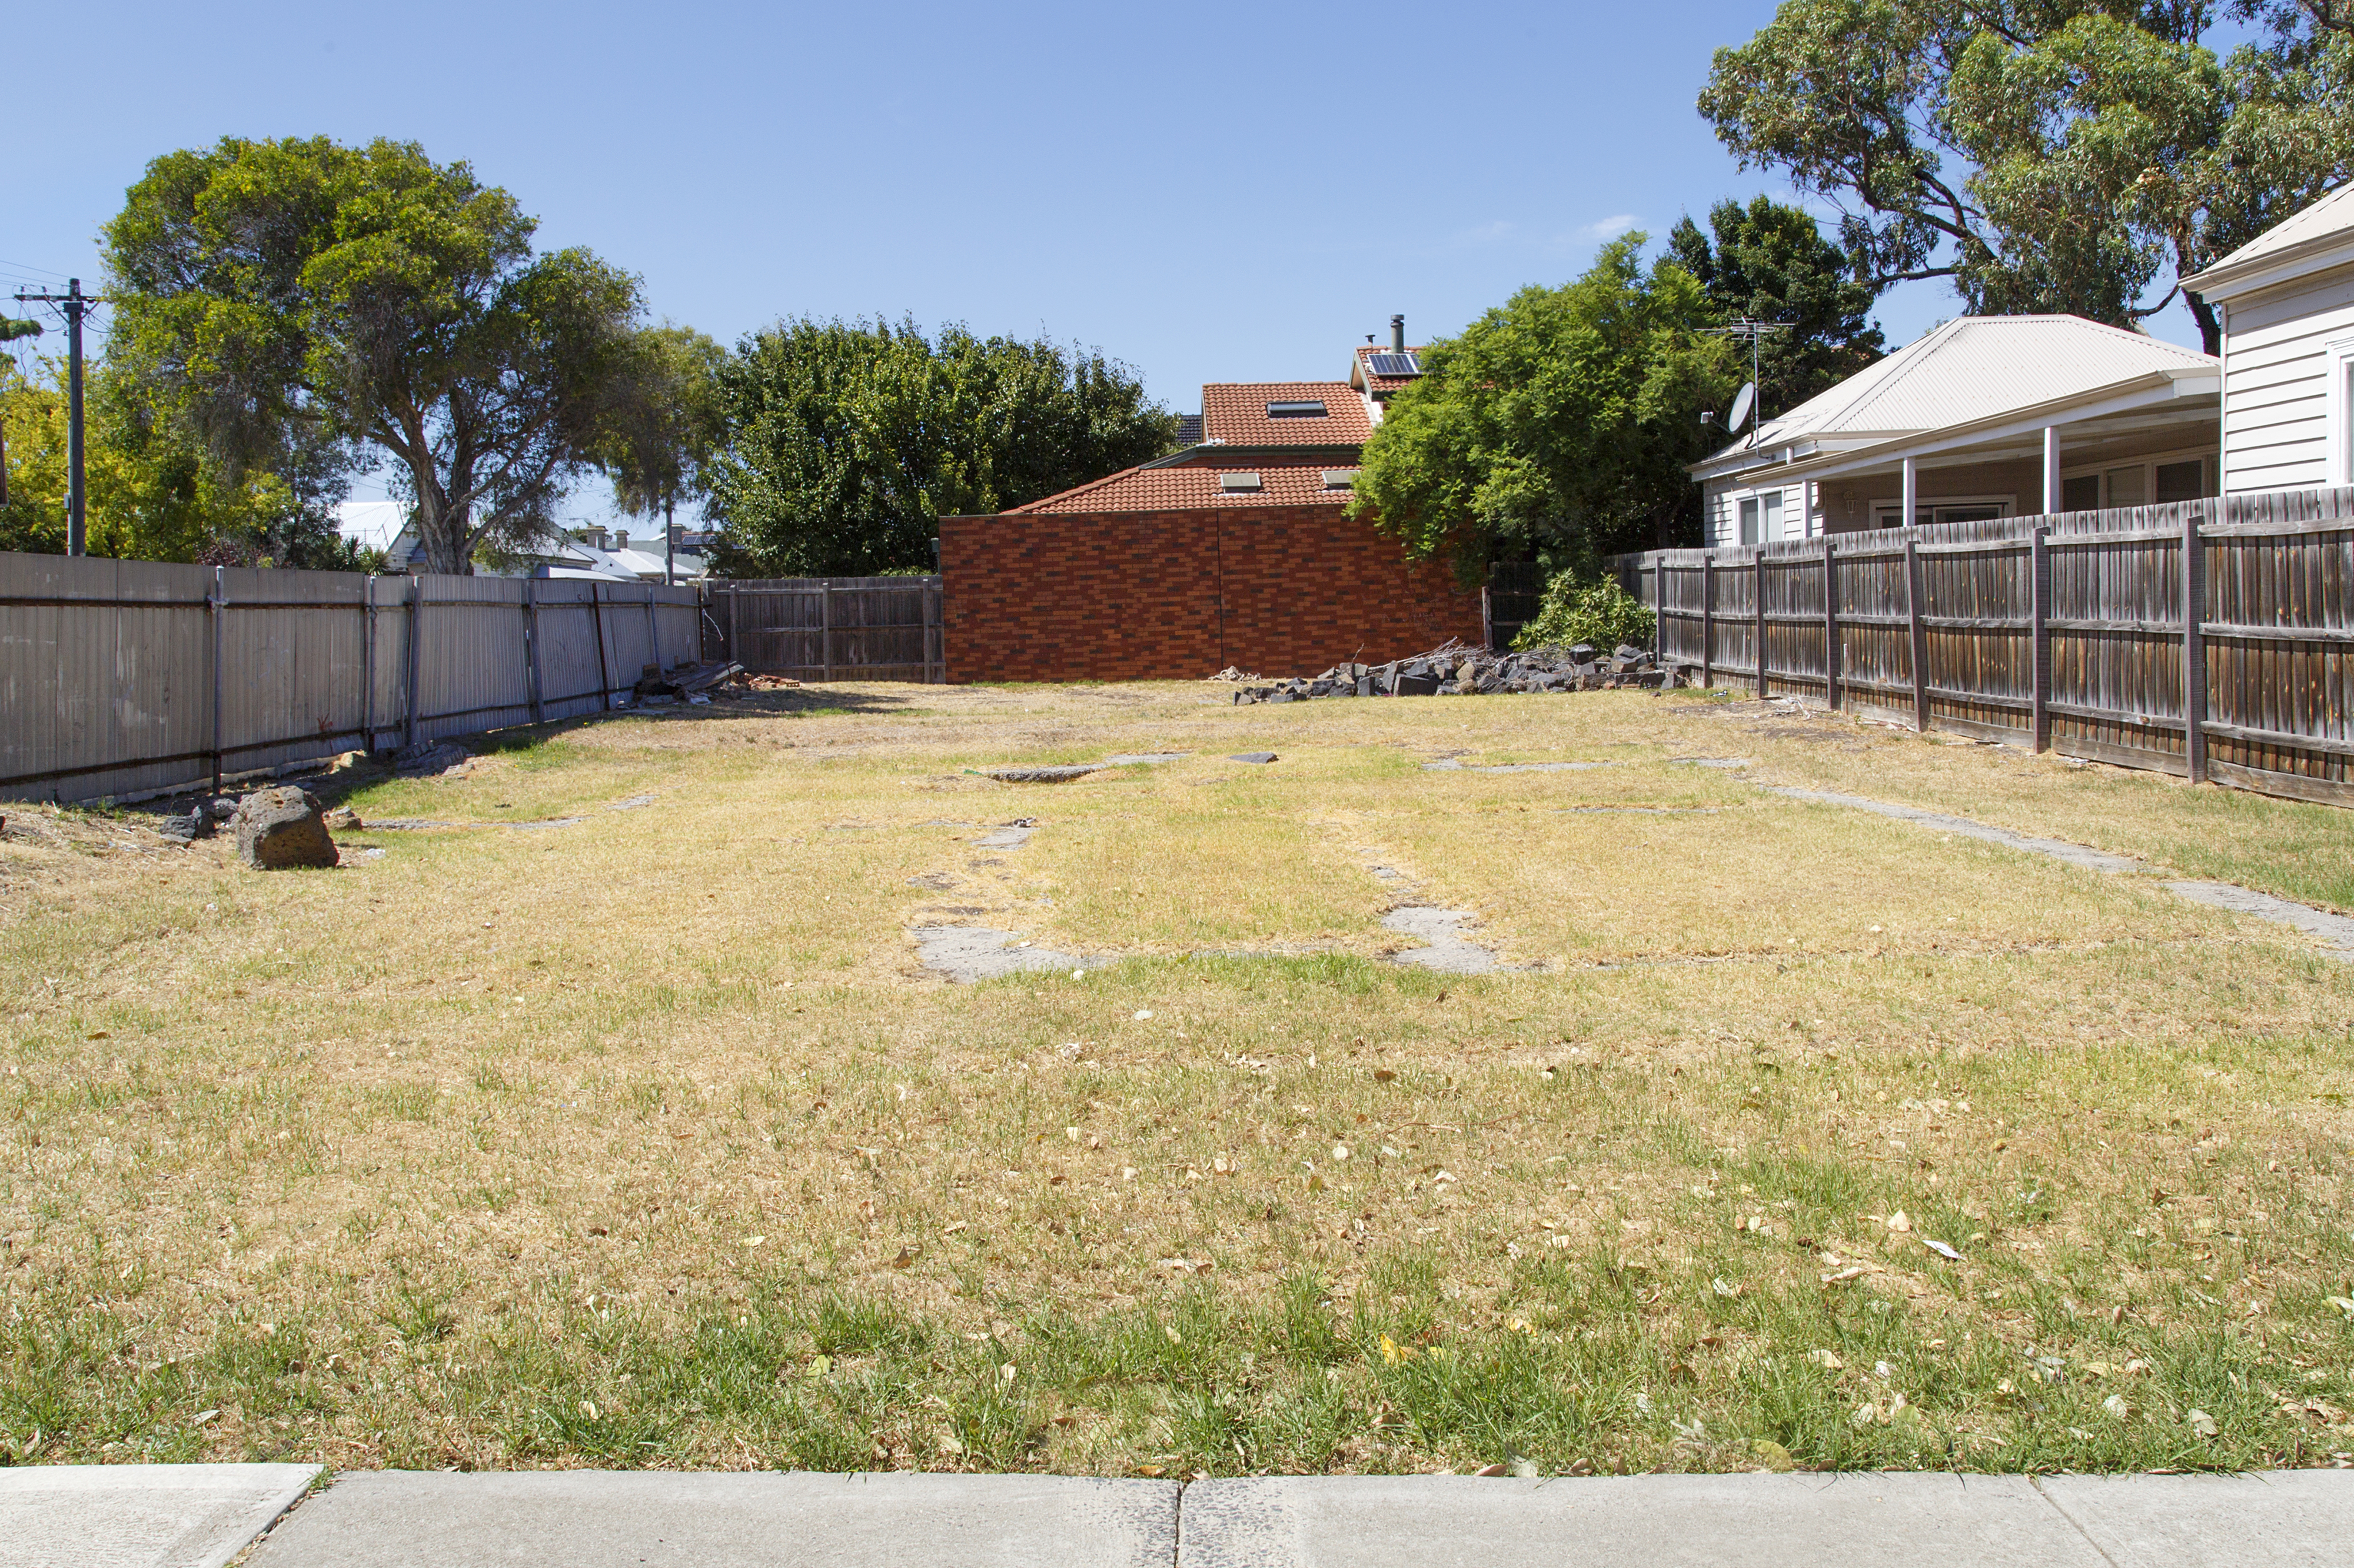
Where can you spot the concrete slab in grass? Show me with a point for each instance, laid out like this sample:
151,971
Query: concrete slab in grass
139,1515
1608,1521
2279,1519
609,1518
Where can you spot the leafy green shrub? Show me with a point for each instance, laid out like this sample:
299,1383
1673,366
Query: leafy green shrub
1599,612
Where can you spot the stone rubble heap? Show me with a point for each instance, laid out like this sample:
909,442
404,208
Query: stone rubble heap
1456,670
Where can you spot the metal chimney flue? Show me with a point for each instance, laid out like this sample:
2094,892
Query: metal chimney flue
1397,335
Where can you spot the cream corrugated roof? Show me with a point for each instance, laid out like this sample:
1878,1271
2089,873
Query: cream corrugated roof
2332,215
1975,368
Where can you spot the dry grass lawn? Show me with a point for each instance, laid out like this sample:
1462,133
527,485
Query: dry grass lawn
646,1140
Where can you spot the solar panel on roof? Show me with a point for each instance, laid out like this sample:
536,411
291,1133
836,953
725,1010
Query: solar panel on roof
1305,408
1396,365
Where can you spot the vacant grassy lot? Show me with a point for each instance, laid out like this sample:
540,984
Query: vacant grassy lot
646,1140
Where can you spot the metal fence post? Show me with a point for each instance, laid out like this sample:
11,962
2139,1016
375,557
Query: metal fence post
604,670
1830,626
2039,595
734,646
2194,645
1759,607
654,631
825,628
415,652
1919,635
367,665
531,647
215,602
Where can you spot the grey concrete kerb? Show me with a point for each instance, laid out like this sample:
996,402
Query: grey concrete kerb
608,1519
1854,1521
139,1515
201,1516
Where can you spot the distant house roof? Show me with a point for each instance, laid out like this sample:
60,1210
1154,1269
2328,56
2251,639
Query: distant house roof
1377,385
1238,412
2320,235
1212,478
371,525
1965,373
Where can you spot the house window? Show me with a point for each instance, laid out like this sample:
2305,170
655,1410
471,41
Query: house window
1302,410
2160,479
1949,509
1761,517
2185,481
2341,413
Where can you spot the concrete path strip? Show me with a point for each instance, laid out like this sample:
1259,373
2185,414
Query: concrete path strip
139,1515
2058,849
608,1519
1855,1521
2335,931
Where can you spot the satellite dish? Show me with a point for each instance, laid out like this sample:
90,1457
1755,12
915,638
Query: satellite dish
1742,402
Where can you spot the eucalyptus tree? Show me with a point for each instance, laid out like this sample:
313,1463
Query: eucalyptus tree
276,295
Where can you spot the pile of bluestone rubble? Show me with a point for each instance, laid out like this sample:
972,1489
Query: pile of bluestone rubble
1456,670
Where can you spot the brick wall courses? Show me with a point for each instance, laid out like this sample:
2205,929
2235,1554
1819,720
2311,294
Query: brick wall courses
1130,596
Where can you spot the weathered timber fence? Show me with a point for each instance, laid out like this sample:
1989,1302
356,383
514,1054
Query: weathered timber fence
2065,633
832,629
129,677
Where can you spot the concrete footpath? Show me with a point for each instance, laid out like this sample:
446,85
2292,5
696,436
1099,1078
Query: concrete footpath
203,1516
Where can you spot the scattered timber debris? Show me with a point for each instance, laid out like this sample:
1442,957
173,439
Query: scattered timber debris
1457,670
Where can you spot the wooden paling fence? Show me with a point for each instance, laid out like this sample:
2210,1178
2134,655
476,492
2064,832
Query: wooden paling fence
2064,633
833,629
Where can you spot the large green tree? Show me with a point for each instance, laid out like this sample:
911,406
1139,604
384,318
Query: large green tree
847,442
152,493
664,424
1768,261
1559,424
2046,154
283,296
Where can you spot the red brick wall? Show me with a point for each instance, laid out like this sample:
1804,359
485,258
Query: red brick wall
1126,595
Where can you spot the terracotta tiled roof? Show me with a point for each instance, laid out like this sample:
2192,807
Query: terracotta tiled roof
1383,386
1235,411
1194,485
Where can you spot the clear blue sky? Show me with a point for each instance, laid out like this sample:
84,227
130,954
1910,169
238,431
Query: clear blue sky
1209,192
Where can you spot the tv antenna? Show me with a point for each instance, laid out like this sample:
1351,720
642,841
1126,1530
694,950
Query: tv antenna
1746,402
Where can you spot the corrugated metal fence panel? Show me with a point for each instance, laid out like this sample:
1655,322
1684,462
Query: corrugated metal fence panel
472,670
572,678
2276,627
110,697
297,642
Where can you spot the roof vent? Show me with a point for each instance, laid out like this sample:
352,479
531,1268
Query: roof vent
1242,483
1306,408
1339,479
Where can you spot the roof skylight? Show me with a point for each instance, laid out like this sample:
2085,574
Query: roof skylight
1242,481
1306,408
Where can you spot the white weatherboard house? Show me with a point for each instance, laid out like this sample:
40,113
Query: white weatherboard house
2288,301
1985,417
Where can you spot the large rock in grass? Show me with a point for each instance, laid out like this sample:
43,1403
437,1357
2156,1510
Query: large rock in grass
282,827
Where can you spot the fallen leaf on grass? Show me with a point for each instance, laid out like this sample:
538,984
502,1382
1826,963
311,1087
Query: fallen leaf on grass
1942,1250
1855,1271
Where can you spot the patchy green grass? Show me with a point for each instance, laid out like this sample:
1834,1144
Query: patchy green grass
647,1141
